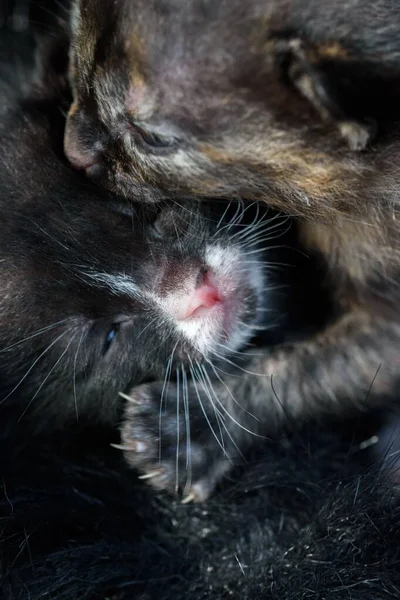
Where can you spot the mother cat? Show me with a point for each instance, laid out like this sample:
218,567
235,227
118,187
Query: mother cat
289,102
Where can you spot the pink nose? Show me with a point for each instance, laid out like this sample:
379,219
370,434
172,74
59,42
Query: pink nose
78,156
205,297
79,160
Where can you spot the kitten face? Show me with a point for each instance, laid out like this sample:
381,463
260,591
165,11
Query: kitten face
97,294
189,97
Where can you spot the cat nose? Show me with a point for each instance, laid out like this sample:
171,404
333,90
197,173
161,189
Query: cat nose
82,156
79,158
205,296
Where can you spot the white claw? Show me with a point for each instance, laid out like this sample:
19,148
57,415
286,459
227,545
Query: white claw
189,498
150,475
126,397
121,447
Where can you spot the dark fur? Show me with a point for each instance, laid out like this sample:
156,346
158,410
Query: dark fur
60,239
262,99
304,520
308,518
78,265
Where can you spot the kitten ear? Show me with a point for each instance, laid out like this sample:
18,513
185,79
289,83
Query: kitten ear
322,74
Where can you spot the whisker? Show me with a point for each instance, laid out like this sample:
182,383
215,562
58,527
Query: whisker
228,390
33,365
177,432
263,249
224,213
29,337
185,390
227,360
227,412
148,325
74,374
239,353
47,377
218,416
234,218
221,417
167,378
203,409
264,225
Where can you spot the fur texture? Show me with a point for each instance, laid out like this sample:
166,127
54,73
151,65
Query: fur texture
306,519
98,296
294,103
310,517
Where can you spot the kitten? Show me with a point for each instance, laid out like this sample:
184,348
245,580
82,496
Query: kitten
271,101
98,296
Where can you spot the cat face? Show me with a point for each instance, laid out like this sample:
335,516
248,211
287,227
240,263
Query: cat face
98,294
194,97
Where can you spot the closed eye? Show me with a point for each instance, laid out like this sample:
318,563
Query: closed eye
149,139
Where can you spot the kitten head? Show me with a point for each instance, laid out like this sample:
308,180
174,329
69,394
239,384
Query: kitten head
98,295
210,98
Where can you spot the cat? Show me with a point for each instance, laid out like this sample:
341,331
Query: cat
293,103
99,295
305,514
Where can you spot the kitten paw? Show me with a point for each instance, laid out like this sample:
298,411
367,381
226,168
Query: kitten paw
178,444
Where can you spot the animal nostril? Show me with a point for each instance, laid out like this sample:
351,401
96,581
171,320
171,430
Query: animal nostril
205,296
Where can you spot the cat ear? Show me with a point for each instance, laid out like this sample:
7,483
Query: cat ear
322,74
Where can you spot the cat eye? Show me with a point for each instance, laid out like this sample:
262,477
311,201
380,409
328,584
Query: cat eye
154,140
111,337
151,140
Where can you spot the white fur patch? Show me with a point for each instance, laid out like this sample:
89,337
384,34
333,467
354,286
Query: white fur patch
117,284
208,332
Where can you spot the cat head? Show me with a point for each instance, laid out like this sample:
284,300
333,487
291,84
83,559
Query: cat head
99,294
215,98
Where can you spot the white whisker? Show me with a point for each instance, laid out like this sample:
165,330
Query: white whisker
204,411
74,374
228,390
33,365
187,425
218,416
33,335
228,413
177,433
47,377
227,360
167,378
222,419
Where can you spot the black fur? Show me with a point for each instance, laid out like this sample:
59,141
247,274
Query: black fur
304,520
309,517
